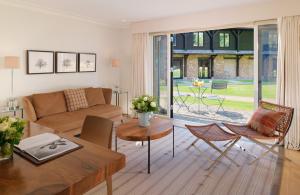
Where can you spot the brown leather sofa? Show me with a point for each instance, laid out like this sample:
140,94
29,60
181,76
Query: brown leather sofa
51,111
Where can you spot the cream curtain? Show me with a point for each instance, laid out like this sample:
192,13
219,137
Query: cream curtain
141,64
288,83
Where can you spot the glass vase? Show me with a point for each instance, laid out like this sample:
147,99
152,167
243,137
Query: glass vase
144,119
6,151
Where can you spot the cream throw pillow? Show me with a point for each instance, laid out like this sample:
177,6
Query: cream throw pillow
75,99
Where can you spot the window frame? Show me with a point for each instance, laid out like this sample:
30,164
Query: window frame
222,39
197,43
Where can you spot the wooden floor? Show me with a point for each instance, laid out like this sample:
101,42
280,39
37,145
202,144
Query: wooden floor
187,174
290,176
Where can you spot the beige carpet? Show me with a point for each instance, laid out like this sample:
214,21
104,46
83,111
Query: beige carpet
186,173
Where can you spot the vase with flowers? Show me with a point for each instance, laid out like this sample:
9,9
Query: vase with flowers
144,105
11,132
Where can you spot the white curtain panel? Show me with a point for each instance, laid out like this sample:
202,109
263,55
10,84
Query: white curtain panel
288,74
142,75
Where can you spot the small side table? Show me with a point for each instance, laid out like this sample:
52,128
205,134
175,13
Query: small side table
5,110
117,94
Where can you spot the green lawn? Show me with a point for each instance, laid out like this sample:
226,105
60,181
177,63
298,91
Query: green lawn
238,88
238,105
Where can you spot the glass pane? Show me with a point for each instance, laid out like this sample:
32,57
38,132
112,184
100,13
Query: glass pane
177,69
174,40
222,40
227,40
201,39
268,46
200,73
160,77
206,72
195,39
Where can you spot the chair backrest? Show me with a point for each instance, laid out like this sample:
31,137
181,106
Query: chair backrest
285,123
97,130
218,85
177,89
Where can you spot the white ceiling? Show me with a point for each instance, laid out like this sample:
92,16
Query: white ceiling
122,12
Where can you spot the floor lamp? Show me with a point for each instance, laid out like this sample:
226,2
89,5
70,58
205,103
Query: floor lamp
12,62
115,63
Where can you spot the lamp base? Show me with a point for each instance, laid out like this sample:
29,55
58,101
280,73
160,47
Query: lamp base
12,103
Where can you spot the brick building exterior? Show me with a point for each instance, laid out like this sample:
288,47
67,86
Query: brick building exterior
221,54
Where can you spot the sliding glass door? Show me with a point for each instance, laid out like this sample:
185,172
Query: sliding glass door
254,81
160,73
267,61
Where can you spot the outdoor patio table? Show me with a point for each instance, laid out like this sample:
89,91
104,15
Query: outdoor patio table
198,92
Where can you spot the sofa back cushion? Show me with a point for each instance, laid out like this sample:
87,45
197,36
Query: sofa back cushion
75,99
46,104
265,121
94,96
107,92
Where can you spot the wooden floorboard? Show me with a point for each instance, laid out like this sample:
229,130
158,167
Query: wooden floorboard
187,174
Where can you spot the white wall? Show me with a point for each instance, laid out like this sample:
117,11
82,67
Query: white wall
221,17
22,29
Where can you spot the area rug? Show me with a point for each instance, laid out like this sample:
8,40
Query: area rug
186,173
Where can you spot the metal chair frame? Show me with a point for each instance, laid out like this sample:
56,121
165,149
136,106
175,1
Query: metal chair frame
282,130
182,99
223,153
217,85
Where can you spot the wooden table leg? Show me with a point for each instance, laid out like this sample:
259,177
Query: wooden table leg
108,182
173,142
116,143
148,155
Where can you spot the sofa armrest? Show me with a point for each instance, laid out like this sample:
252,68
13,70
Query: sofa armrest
107,92
29,109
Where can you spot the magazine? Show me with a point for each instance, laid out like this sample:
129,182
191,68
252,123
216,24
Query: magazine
45,146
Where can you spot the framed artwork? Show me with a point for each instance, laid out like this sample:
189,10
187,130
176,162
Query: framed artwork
65,62
40,62
87,62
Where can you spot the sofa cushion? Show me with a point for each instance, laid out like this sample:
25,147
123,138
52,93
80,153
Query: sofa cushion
94,96
106,111
46,104
265,121
74,120
76,99
63,122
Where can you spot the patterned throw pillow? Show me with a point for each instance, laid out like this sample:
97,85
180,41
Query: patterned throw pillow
265,121
75,99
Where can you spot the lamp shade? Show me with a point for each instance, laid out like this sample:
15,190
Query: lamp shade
12,62
115,63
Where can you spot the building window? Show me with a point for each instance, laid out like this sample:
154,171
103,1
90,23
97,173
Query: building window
224,39
177,68
198,39
174,40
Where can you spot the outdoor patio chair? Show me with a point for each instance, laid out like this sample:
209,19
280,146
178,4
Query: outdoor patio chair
279,134
211,133
217,86
181,99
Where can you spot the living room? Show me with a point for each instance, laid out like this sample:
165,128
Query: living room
70,70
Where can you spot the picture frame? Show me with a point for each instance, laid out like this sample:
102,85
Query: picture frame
87,62
40,62
66,62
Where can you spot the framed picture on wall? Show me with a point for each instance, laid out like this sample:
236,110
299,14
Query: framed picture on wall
40,62
65,62
87,62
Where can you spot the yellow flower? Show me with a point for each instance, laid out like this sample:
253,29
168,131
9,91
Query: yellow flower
4,126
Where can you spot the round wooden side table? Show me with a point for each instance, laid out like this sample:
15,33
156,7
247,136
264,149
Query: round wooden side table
131,131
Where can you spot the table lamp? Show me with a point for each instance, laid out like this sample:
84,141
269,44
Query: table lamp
115,63
12,62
